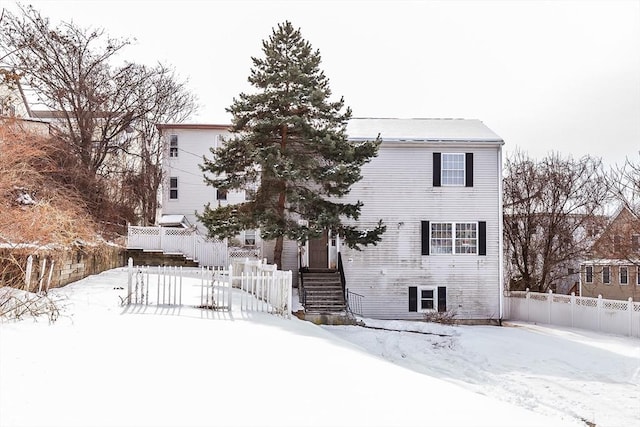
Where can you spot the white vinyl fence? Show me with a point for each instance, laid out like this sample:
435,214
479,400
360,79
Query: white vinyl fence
245,286
596,314
208,252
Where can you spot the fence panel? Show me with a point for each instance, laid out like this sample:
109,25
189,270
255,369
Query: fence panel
259,287
207,252
597,314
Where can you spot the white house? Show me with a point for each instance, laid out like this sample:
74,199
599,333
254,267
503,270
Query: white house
184,191
436,184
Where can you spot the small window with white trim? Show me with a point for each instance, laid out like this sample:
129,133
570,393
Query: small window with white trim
606,275
588,274
250,237
624,275
173,146
427,298
173,188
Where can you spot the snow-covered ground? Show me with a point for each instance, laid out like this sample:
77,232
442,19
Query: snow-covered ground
102,364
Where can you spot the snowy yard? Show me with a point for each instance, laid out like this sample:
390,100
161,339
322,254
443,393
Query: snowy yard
102,364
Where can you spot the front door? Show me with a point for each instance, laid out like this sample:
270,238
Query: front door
318,252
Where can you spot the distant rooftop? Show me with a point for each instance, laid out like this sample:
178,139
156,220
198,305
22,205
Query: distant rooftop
421,130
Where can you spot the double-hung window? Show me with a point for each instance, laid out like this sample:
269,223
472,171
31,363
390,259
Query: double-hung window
624,275
454,238
221,194
588,274
440,238
453,169
173,188
173,146
427,298
606,275
250,237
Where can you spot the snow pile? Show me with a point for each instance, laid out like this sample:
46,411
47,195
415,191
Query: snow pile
102,364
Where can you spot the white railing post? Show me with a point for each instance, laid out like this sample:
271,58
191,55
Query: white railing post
161,233
550,301
527,302
630,309
129,279
230,285
27,276
290,293
43,268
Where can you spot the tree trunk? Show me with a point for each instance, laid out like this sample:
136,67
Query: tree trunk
277,252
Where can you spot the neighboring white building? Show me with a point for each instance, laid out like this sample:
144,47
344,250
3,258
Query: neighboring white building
436,184
184,191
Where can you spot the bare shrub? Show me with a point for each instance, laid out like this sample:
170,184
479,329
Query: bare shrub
443,317
16,304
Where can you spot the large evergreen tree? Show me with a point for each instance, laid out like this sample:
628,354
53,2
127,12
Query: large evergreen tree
289,152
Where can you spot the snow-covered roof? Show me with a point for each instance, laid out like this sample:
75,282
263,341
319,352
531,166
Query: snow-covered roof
174,221
421,130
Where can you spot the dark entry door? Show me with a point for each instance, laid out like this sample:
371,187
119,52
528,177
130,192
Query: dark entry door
318,252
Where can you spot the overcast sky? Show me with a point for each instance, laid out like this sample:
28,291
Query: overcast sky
544,75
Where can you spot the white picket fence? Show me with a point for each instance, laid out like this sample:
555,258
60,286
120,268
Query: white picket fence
596,314
208,252
247,286
41,284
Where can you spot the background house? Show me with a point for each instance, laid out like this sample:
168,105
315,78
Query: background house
613,267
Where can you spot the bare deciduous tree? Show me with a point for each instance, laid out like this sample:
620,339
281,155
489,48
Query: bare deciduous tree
106,113
549,208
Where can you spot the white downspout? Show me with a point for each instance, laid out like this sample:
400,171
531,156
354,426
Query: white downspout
500,235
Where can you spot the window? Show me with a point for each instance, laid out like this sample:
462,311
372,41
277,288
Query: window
453,169
606,275
635,243
441,238
588,274
624,275
427,298
449,238
250,237
173,146
173,188
466,238
638,275
221,194
454,238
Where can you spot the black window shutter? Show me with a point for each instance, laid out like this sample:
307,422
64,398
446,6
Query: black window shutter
442,298
468,170
482,238
425,237
413,298
436,169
